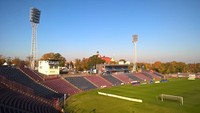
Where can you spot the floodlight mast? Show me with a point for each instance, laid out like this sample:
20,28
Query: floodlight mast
34,19
135,39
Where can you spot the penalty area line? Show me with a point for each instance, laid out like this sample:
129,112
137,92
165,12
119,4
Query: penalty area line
120,97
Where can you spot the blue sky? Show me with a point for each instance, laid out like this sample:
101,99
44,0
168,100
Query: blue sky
168,30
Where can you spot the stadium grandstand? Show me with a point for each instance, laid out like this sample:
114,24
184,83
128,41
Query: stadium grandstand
21,94
26,91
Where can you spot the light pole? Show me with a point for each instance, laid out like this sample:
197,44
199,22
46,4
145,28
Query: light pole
34,19
135,39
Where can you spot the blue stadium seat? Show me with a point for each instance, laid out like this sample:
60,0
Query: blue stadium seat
134,78
112,80
81,83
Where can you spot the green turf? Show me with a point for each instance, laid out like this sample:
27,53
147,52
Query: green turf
91,102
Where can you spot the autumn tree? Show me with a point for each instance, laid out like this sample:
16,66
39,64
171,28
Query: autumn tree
71,64
2,60
84,64
195,68
173,67
159,67
47,56
54,56
78,65
16,61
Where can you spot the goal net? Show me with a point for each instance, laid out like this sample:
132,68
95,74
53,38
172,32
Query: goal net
171,97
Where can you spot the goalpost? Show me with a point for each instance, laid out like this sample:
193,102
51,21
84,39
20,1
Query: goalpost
172,97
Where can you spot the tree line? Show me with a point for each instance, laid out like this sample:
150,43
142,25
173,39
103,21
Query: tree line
171,67
90,63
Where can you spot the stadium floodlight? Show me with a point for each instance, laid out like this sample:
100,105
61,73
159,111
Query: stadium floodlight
34,19
135,40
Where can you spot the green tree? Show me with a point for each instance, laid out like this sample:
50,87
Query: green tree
93,61
61,59
181,67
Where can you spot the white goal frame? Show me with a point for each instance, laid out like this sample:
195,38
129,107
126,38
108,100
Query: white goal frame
171,97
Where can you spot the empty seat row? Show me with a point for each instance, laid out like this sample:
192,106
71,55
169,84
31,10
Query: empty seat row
142,76
81,83
14,74
98,81
32,74
123,78
61,86
14,102
134,78
152,75
158,74
112,80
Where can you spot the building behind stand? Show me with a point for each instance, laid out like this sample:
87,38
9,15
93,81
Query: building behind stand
48,67
112,68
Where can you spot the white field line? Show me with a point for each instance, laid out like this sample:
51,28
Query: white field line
120,97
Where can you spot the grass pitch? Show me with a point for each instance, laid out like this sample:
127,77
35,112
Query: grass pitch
91,102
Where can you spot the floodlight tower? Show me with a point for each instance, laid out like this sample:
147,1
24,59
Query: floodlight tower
34,19
135,39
